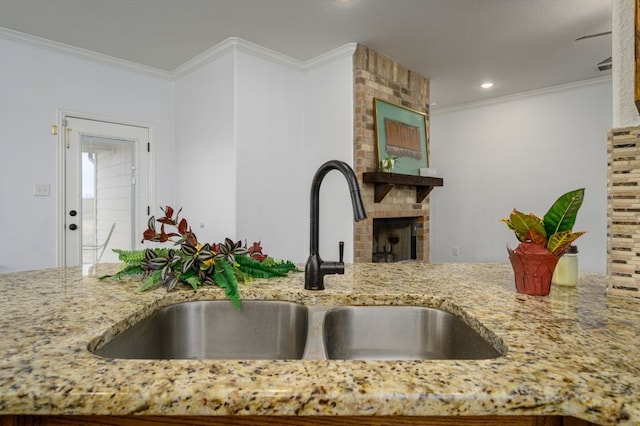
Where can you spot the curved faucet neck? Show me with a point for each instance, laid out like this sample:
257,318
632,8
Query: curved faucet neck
356,200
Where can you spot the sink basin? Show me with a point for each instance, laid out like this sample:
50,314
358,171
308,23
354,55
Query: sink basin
400,333
214,329
265,329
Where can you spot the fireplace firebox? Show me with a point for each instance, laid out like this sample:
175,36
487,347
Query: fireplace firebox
394,239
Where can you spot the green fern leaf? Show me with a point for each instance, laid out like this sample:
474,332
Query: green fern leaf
130,256
126,271
226,279
242,277
153,278
286,266
191,278
258,269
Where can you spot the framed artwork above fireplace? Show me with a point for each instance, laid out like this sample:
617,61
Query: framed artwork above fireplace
401,133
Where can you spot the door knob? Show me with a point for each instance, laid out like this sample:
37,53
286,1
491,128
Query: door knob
73,226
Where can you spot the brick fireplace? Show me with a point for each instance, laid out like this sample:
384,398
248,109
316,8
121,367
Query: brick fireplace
377,76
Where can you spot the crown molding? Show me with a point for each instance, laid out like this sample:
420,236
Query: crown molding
204,58
228,45
521,95
81,53
267,54
346,50
237,44
234,43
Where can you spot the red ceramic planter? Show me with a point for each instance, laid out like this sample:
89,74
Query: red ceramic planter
533,267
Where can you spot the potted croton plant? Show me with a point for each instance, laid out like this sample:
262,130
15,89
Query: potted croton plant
542,242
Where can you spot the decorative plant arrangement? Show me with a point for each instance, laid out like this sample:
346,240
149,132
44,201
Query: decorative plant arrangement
542,242
195,264
389,163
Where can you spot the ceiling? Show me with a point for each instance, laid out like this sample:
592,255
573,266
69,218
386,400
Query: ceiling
521,45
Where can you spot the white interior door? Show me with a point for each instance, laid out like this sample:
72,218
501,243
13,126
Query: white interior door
106,189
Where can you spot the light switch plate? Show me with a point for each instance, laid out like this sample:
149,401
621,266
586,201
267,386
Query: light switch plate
41,189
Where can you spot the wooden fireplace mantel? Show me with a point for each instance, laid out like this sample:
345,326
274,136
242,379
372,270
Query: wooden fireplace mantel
384,182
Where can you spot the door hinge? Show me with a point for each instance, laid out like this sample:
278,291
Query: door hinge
148,210
148,146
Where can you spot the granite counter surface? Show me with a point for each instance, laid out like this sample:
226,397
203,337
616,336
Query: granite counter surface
575,352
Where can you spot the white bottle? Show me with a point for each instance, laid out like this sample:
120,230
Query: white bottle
566,272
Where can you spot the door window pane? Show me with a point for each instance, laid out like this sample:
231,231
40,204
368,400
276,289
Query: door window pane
108,195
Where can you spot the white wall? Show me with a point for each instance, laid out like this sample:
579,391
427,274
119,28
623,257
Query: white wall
286,122
236,142
36,83
270,167
233,113
205,146
625,113
328,135
523,153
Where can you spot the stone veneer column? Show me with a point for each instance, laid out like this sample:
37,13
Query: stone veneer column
377,76
623,212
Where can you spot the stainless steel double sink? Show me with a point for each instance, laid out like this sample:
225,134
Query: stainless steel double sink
286,330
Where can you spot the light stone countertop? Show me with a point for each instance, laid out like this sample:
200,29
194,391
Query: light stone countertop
575,352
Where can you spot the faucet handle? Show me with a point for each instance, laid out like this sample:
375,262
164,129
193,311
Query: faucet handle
341,248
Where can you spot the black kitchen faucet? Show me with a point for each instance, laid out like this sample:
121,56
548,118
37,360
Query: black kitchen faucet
316,268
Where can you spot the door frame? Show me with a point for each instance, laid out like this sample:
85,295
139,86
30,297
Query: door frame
61,166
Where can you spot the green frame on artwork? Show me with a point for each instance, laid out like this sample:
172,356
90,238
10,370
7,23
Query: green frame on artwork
401,132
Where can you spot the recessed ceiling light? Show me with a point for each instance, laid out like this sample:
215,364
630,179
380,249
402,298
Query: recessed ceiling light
487,85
